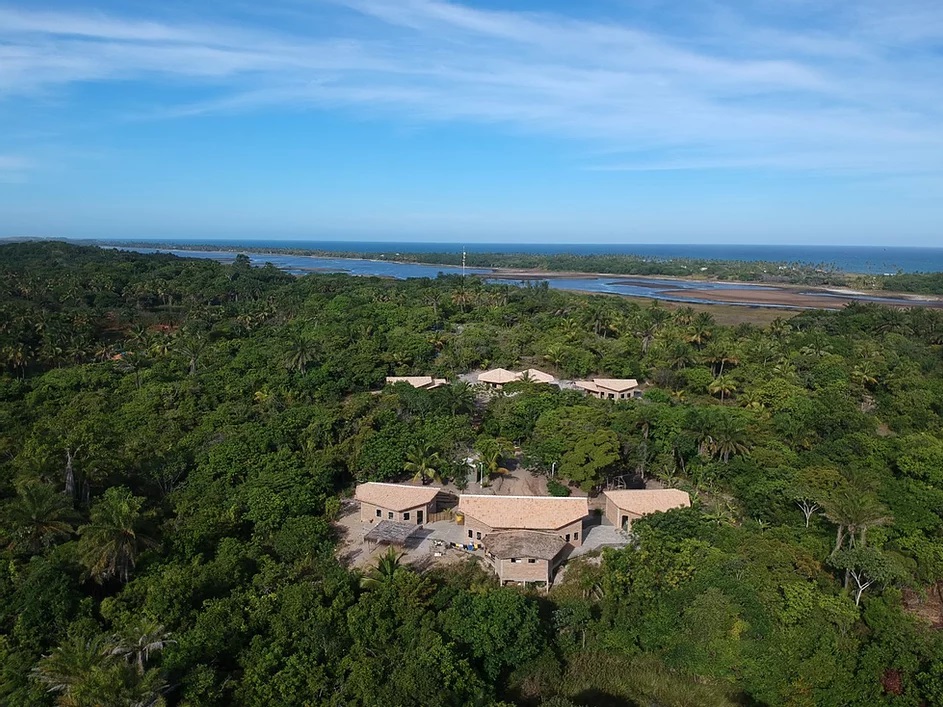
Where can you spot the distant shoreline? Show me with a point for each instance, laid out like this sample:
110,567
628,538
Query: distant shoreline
783,295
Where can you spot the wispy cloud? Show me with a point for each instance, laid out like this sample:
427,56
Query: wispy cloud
14,168
800,85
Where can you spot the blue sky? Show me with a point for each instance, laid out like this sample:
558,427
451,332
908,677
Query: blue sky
762,121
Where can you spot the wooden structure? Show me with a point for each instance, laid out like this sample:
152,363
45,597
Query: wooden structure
525,556
390,532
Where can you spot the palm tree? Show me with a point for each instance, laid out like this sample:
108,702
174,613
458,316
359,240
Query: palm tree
853,511
723,385
140,641
555,355
492,451
433,299
462,298
192,349
69,665
722,437
460,397
423,462
112,540
301,354
387,567
38,517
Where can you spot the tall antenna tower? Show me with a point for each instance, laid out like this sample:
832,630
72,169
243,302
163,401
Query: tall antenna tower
463,263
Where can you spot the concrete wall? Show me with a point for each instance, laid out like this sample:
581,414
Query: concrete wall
477,529
614,514
572,533
368,513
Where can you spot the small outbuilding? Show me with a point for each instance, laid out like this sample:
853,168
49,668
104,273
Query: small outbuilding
525,556
402,503
610,388
391,532
421,382
623,506
560,516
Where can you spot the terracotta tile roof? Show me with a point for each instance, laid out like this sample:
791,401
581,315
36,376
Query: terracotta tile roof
643,501
611,385
417,381
616,384
396,497
524,512
524,543
536,376
498,376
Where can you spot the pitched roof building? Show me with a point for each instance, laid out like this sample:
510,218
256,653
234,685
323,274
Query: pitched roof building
525,556
626,505
423,382
397,502
610,388
485,514
497,377
535,375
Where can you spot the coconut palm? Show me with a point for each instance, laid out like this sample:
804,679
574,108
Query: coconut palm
191,349
387,567
460,397
555,355
853,511
301,353
724,385
140,641
38,517
69,665
111,542
424,463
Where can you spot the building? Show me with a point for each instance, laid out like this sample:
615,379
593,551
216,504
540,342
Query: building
497,378
535,375
422,382
623,506
485,514
397,502
611,388
525,556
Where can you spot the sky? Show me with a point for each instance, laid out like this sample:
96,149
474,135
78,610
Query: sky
590,121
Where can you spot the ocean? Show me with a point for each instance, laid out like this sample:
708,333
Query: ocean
855,259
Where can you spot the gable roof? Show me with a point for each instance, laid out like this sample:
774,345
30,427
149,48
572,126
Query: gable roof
643,501
498,376
607,385
536,376
524,512
396,497
417,381
524,543
617,384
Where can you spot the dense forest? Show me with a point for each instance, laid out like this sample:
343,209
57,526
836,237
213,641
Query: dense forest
177,436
